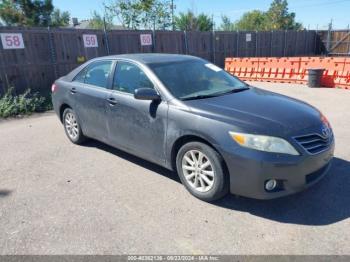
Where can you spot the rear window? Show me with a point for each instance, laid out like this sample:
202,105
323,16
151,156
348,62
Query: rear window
95,74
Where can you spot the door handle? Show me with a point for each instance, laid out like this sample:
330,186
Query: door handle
73,90
112,101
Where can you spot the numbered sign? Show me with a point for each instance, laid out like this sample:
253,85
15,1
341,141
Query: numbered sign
90,41
146,39
12,40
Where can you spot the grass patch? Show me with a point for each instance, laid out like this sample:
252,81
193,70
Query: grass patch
23,104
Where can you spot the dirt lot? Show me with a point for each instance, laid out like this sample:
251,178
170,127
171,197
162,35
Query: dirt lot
58,198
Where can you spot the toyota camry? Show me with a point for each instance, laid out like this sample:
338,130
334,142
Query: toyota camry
184,113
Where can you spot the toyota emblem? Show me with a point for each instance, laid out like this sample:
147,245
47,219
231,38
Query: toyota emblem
325,131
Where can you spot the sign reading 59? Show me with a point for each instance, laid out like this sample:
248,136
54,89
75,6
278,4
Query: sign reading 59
12,40
90,41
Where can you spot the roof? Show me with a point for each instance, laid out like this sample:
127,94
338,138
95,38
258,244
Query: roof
143,58
150,58
85,24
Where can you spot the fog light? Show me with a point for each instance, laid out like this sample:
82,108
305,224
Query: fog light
270,184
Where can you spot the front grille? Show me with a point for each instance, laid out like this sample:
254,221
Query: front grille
314,143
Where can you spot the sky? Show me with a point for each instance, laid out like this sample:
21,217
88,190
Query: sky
313,14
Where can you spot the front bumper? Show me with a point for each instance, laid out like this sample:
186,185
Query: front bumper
249,170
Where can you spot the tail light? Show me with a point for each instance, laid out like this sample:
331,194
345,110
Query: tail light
54,88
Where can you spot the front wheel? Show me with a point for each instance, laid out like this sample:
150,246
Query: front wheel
201,170
72,127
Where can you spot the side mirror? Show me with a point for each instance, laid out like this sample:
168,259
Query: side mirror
146,94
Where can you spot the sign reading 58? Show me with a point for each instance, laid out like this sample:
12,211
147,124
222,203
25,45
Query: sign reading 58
90,41
12,40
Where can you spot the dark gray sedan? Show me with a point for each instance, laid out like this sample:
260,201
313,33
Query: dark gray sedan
189,115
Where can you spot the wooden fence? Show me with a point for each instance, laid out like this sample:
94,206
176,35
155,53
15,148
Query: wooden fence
51,53
336,42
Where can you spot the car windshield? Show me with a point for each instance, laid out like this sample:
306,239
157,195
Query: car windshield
196,79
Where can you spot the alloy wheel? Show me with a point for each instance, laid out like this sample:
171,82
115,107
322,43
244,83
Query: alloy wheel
71,125
198,170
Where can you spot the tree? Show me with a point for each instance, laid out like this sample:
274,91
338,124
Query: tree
127,11
31,13
59,18
190,22
146,14
204,23
98,22
10,13
157,15
226,24
254,20
186,21
278,17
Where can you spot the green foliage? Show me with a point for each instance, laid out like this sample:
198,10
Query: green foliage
190,22
276,18
142,14
31,13
96,22
254,20
26,103
186,21
10,13
59,18
204,22
226,24
158,14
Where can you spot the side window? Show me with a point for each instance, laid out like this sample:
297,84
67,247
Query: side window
97,73
80,77
128,77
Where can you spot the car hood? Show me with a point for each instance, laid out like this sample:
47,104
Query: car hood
258,110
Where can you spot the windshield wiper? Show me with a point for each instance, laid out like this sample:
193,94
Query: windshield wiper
236,90
198,97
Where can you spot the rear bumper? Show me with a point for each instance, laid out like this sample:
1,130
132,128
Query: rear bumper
249,171
55,105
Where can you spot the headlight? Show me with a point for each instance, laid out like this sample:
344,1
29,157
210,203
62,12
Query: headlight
264,143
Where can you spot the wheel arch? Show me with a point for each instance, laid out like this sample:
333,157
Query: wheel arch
63,107
191,138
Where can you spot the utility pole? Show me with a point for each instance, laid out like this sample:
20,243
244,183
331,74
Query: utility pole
212,23
172,14
329,36
105,30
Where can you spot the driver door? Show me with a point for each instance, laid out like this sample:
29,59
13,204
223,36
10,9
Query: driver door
138,126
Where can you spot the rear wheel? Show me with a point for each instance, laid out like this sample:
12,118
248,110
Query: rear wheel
72,127
201,170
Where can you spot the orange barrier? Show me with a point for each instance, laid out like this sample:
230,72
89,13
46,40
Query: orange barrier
291,69
281,69
244,68
344,76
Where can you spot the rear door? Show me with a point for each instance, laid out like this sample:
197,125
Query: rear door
91,89
139,126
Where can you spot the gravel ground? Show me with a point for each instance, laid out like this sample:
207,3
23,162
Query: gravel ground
59,198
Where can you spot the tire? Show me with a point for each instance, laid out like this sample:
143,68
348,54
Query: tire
216,184
72,127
